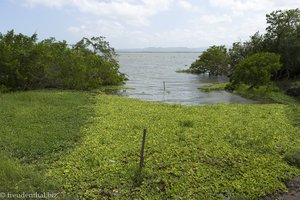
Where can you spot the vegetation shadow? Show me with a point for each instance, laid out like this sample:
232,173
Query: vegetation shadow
37,128
293,114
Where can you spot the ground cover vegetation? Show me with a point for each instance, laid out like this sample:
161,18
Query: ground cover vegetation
36,128
263,59
26,63
86,146
189,154
271,93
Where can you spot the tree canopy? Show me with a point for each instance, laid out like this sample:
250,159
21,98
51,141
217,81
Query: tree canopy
282,37
214,60
257,69
26,63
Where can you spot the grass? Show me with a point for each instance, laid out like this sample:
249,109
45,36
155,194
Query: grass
86,145
274,93
17,177
214,87
36,128
200,152
189,71
266,94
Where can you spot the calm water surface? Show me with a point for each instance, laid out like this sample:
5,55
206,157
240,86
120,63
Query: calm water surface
148,71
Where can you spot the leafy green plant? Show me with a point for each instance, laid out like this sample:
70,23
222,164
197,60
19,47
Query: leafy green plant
263,94
214,61
37,124
15,177
27,64
195,152
256,70
88,146
186,123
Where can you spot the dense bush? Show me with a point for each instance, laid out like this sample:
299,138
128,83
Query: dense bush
26,63
214,61
256,70
282,37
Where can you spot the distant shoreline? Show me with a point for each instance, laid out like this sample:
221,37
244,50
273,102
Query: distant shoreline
158,51
162,50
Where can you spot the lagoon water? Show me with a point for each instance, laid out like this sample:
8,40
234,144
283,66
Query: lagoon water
147,73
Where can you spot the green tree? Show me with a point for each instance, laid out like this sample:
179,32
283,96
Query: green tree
281,24
26,63
214,60
283,37
17,60
107,68
257,69
237,53
241,50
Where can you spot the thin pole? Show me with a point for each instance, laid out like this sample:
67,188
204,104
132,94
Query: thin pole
142,149
164,86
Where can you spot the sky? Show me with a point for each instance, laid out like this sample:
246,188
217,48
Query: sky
141,23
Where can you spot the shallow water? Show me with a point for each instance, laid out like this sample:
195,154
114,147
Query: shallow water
147,73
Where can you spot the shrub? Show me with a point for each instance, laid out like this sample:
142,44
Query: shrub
256,70
26,63
214,61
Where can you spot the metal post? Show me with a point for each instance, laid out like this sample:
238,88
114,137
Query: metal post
142,149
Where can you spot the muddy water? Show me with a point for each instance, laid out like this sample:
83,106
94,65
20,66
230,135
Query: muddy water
150,73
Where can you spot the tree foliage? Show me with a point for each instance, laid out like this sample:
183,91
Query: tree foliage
283,37
281,25
214,60
256,70
241,50
26,63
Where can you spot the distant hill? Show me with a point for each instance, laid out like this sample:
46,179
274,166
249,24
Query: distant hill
162,50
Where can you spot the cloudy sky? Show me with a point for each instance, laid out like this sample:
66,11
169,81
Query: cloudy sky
141,23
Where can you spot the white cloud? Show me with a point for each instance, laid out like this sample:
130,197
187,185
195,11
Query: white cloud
51,3
243,6
99,27
142,23
188,5
132,12
118,35
213,19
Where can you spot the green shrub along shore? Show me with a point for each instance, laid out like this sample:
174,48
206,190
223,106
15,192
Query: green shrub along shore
266,63
85,145
26,63
273,93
